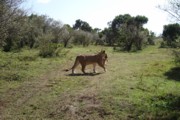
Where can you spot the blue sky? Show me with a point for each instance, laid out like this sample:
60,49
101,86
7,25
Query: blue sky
99,12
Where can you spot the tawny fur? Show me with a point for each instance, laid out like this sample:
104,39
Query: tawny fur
85,60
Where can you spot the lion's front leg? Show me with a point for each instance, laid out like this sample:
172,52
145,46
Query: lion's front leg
101,65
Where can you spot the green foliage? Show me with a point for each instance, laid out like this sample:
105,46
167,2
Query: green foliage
177,57
82,38
23,65
151,38
140,20
167,102
48,49
26,30
109,36
82,25
163,45
10,75
99,38
67,35
10,14
127,32
171,35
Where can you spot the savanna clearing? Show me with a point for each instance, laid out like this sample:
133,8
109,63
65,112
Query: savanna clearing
137,85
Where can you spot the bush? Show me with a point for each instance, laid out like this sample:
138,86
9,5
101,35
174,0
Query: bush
177,57
82,38
151,41
49,50
163,44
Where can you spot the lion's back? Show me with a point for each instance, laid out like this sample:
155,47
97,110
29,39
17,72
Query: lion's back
87,59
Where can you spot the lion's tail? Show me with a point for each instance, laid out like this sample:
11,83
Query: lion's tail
66,70
75,64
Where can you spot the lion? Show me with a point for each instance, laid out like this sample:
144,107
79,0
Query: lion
85,60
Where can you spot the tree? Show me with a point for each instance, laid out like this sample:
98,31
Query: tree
127,31
82,25
15,31
109,36
171,33
9,13
41,25
151,37
67,33
173,9
140,21
119,20
82,38
57,31
96,30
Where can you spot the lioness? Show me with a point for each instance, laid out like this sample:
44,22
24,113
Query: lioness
84,60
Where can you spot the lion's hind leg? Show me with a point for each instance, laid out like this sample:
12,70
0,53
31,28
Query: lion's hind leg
83,68
76,63
94,67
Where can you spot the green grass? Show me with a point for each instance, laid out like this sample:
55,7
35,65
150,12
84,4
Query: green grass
17,67
136,89
138,85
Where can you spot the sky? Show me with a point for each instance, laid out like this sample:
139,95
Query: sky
99,12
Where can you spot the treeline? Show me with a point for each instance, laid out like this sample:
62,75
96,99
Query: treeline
124,32
19,29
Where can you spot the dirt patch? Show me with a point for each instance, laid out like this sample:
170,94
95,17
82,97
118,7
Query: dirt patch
81,106
2,106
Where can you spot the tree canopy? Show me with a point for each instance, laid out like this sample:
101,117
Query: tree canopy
127,31
82,25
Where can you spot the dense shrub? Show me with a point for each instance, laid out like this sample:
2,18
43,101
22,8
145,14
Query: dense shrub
82,38
50,50
177,57
171,35
47,48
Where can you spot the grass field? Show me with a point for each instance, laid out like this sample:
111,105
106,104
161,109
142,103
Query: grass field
137,85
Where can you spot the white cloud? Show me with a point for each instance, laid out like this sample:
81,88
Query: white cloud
43,1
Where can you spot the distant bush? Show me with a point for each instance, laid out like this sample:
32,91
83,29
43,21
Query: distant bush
163,44
49,50
150,41
177,57
174,44
82,38
151,38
